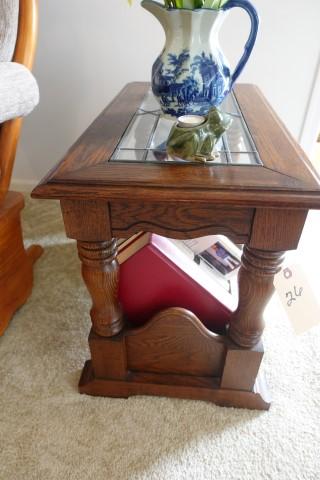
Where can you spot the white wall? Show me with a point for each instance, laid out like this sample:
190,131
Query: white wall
88,49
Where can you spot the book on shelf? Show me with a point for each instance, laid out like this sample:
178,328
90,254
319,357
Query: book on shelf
158,272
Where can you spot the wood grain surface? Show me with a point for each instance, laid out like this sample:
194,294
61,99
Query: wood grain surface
174,355
16,263
181,221
87,220
235,198
255,289
277,229
108,356
175,341
241,367
169,386
100,271
286,179
277,148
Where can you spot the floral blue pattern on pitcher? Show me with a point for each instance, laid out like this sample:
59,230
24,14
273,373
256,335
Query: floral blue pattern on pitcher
191,74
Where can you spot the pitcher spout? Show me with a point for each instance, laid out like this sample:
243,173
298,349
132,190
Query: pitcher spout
158,10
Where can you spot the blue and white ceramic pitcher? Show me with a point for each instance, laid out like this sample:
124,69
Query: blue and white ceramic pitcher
191,74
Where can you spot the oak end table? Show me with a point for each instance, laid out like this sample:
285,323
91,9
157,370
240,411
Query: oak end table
117,180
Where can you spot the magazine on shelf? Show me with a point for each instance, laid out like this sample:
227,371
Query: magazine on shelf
216,253
157,272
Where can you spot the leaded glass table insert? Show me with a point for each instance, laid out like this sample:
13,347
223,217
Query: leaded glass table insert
145,137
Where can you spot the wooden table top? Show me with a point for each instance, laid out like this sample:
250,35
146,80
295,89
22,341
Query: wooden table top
287,179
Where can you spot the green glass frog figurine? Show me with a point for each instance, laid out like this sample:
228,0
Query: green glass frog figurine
193,137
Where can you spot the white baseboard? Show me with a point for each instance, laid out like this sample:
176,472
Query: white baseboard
22,185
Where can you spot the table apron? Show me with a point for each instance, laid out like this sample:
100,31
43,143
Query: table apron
180,221
261,228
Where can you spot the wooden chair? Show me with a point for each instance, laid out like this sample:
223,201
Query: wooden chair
16,263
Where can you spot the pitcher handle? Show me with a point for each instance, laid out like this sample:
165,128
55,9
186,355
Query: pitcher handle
253,14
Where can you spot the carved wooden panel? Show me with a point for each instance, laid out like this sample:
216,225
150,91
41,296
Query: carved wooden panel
175,341
180,221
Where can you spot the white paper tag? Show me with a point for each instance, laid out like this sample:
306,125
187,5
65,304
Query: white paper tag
297,297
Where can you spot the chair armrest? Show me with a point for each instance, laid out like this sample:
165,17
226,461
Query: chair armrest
19,92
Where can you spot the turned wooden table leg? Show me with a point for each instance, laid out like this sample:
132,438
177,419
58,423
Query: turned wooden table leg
100,271
255,289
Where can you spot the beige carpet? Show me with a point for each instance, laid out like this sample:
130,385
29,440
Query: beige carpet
49,431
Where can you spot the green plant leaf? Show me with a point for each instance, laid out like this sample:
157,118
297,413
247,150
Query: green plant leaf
189,4
192,4
214,4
